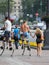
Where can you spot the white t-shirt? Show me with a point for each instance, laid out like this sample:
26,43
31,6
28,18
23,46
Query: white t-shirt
8,25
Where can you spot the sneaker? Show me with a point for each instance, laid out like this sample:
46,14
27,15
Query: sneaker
10,48
22,54
6,47
29,54
1,47
38,55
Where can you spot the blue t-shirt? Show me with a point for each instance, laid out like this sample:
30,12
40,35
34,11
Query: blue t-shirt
16,32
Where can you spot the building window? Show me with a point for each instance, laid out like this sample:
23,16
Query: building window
15,3
18,2
19,7
15,7
14,10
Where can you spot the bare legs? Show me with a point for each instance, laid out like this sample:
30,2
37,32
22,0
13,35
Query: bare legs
39,49
28,47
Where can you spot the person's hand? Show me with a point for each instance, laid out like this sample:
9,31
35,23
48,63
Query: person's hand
31,35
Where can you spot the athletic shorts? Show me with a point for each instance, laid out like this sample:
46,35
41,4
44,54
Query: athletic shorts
25,35
7,34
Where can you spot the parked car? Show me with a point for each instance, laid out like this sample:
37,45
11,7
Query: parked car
1,34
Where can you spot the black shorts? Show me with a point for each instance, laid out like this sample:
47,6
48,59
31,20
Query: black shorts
16,38
7,34
38,41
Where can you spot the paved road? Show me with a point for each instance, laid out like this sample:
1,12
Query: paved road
18,59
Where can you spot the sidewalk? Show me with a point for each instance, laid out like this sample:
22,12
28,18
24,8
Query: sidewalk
11,61
18,59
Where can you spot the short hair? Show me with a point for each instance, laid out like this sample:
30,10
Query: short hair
6,17
16,25
24,21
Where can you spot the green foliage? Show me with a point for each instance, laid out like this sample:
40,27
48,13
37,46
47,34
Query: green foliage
27,9
4,6
45,18
34,6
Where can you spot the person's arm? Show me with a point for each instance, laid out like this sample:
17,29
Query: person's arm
5,25
12,34
21,28
34,36
19,31
42,36
31,33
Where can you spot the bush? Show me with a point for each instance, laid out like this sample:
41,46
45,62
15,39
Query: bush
45,18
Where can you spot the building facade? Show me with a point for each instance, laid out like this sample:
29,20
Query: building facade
17,9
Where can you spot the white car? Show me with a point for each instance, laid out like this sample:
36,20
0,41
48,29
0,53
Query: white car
1,34
42,25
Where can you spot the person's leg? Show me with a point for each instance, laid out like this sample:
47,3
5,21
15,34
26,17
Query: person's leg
28,47
22,38
39,49
29,51
9,41
16,44
5,39
23,51
10,45
23,47
28,43
2,43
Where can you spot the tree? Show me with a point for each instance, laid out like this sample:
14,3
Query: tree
27,8
4,6
34,6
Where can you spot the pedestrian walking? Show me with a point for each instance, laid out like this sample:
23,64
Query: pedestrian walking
25,36
16,34
39,39
7,34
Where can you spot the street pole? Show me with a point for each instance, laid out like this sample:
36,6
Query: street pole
8,8
41,7
47,7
